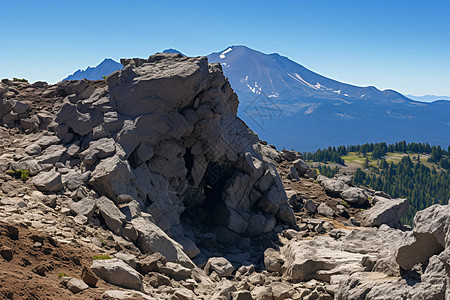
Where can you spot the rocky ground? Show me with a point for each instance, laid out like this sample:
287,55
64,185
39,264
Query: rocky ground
148,186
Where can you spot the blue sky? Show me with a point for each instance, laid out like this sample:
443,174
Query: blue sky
402,45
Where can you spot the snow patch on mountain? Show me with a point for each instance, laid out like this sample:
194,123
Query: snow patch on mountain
222,55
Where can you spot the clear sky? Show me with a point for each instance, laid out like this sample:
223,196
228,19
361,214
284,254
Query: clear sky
402,45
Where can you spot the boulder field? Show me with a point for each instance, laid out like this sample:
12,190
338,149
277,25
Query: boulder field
153,169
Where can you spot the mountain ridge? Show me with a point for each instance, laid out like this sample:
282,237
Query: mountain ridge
286,102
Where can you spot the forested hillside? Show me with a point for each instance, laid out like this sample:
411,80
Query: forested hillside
416,171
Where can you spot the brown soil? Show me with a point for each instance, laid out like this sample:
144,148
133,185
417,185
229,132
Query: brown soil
19,278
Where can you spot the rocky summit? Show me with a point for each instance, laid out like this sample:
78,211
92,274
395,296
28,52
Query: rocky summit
147,185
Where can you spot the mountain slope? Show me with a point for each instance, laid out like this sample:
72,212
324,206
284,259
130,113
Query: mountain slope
105,68
293,107
252,72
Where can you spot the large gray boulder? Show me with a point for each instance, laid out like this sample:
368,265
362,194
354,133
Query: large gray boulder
48,181
79,122
355,196
430,236
113,217
152,239
385,211
117,272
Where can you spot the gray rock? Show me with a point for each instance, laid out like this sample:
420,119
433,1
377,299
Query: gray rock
355,196
273,260
334,186
189,247
33,149
430,236
385,211
175,271
113,217
48,181
311,206
47,141
117,272
325,210
85,207
150,262
76,285
220,265
152,239
129,259
79,122
113,177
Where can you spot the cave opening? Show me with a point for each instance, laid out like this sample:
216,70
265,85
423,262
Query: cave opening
201,201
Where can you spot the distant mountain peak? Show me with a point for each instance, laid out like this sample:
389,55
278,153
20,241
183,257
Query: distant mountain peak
252,73
105,68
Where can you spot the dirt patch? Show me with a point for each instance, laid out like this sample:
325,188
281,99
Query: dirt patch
37,259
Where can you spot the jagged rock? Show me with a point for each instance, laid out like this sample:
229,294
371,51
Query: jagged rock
325,210
113,177
79,122
152,239
47,141
85,207
116,272
324,257
385,211
99,149
220,265
189,247
175,271
129,259
241,295
430,236
72,180
262,293
111,214
334,186
303,169
273,260
311,206
89,277
184,294
354,196
150,262
76,285
141,154
48,181
347,179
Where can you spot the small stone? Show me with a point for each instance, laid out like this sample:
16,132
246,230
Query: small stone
89,277
76,285
6,253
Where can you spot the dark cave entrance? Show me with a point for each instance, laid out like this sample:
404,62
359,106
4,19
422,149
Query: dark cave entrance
201,201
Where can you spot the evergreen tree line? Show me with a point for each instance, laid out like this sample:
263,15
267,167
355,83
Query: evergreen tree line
327,171
378,150
421,185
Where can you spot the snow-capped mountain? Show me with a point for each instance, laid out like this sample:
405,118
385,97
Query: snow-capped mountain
105,68
293,107
252,72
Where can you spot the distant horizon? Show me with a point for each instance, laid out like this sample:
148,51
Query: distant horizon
406,95
389,45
